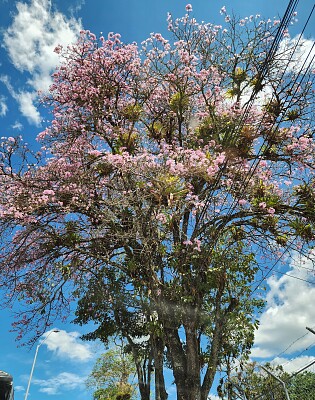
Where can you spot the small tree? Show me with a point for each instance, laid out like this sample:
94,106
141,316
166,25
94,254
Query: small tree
166,179
111,377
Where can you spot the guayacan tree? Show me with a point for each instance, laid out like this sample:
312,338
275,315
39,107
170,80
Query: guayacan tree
169,174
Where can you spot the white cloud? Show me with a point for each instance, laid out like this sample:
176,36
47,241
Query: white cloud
77,6
294,55
27,107
288,311
294,364
3,106
35,31
25,100
67,345
62,381
303,56
19,388
17,125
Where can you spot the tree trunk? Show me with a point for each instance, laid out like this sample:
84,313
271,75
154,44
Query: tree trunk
185,364
193,357
143,367
158,350
177,358
215,344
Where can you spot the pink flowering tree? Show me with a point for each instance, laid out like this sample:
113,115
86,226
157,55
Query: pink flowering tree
170,176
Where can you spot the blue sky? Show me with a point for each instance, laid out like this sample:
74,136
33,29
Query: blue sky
29,32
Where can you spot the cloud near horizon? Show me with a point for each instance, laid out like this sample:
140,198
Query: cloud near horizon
294,364
288,311
59,383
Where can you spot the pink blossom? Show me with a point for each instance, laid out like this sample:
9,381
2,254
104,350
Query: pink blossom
286,33
197,243
188,7
262,204
242,202
220,159
58,49
271,210
48,192
212,170
95,153
162,218
263,163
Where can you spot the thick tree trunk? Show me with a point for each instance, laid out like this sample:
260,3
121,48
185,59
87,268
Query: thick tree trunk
158,350
185,360
219,321
177,358
143,383
193,358
185,363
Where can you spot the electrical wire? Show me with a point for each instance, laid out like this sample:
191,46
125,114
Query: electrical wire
299,354
294,277
290,345
275,44
283,351
265,276
259,155
264,68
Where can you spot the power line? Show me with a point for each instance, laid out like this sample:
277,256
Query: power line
294,277
265,276
282,352
283,25
276,123
299,354
290,345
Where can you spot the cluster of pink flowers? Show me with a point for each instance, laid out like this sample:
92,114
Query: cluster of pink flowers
119,111
196,243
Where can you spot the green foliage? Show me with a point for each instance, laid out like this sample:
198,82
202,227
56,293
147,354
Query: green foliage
174,194
111,376
132,112
179,102
250,383
293,114
302,386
